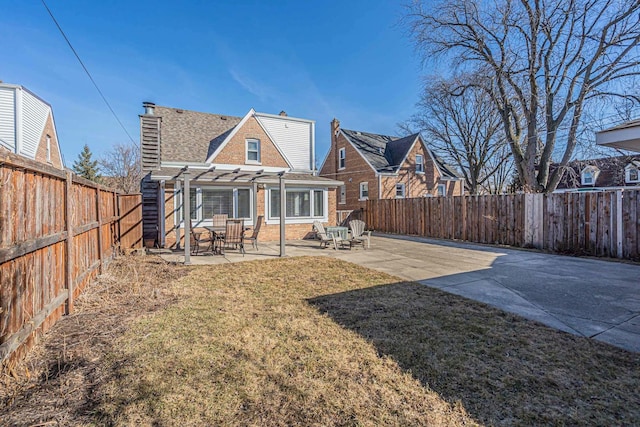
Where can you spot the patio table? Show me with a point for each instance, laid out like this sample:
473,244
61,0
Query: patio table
336,230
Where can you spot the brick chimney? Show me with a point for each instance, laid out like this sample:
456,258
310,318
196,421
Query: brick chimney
335,128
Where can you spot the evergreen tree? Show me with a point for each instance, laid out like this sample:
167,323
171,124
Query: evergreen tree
85,167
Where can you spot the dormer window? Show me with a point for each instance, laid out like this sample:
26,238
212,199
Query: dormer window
253,151
589,175
632,172
342,157
419,163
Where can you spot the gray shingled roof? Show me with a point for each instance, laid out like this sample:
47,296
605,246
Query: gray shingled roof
385,153
191,136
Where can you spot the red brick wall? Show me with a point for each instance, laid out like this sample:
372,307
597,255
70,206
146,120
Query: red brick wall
356,170
234,152
41,153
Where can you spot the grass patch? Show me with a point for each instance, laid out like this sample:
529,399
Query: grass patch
309,341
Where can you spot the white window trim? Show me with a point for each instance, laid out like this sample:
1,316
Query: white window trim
342,155
298,220
246,152
627,174
402,186
444,191
342,201
199,221
420,172
360,196
594,171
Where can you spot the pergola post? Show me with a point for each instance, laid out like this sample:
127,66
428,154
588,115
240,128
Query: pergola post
283,207
187,217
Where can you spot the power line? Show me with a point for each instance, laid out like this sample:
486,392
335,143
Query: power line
87,71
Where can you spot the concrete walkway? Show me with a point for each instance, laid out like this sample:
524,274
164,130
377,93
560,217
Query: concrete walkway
586,297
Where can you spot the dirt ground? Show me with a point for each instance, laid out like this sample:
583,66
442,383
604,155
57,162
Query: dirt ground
57,384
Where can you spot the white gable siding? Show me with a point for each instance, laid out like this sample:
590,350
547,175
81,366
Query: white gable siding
34,119
7,118
293,138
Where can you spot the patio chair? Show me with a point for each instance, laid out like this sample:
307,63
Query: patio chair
234,235
326,238
198,238
220,220
254,236
358,235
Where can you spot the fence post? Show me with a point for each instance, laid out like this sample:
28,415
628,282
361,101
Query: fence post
69,242
99,218
533,218
618,220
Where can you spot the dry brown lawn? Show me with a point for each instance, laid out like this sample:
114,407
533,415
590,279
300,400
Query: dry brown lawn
309,341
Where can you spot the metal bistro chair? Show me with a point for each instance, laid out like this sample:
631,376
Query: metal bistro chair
234,235
199,237
256,230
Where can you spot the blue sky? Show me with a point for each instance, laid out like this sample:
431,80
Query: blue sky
317,60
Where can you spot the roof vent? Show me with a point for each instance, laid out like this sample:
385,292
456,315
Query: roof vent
179,111
148,108
380,150
223,118
283,113
358,132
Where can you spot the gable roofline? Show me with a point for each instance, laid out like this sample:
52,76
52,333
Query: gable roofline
231,135
358,151
413,144
251,113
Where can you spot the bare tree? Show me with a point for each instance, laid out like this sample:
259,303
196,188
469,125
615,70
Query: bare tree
461,123
121,168
546,60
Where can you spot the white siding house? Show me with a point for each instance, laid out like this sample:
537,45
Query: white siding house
294,137
23,122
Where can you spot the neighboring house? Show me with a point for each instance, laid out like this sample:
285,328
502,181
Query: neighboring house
376,166
608,173
233,166
27,127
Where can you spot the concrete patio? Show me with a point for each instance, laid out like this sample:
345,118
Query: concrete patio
586,297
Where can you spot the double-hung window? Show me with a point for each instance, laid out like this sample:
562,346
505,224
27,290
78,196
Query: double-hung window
48,149
399,191
342,158
253,151
419,163
300,203
364,190
442,190
209,201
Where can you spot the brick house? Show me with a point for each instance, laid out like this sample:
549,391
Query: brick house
376,166
232,166
27,127
607,173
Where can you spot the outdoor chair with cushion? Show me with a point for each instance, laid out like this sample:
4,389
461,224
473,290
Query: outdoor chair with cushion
326,238
198,238
358,235
254,235
234,235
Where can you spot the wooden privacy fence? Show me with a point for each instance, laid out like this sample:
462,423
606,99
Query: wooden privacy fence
57,232
591,223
